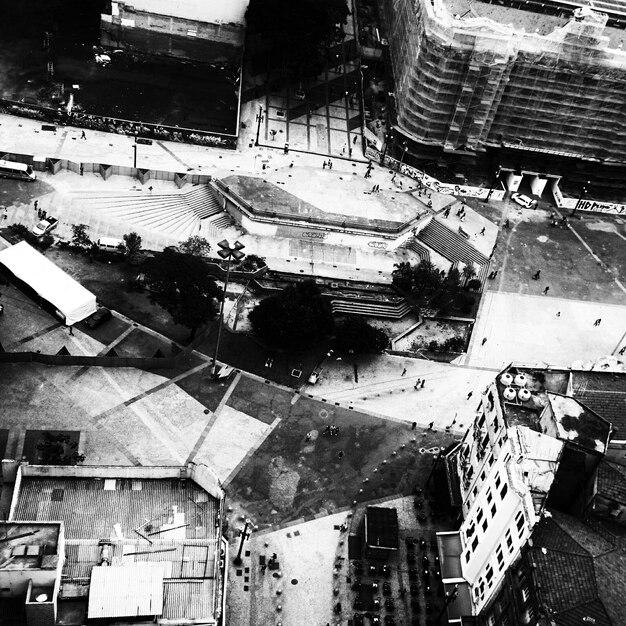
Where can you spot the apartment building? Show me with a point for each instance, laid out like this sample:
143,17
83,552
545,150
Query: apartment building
514,461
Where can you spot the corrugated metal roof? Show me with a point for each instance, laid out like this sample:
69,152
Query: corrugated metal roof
129,591
191,600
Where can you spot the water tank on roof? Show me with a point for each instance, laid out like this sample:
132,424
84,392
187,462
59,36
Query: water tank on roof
520,380
509,393
523,394
506,379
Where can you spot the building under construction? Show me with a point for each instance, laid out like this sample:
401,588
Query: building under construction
545,81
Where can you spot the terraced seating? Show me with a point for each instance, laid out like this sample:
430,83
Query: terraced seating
374,309
176,214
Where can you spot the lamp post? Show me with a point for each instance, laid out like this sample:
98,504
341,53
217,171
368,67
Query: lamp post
451,596
583,191
259,119
228,252
387,140
135,154
493,184
244,535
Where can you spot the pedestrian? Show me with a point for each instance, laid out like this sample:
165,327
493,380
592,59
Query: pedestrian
482,232
350,152
327,430
597,322
417,383
263,568
355,139
484,341
495,273
537,275
340,454
36,204
404,372
430,426
71,331
274,557
621,352
470,394
558,313
413,425
82,169
343,150
39,214
423,383
82,135
291,164
308,437
330,164
545,291
324,165
150,189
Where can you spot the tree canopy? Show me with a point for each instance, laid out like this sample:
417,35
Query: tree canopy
297,34
196,245
183,286
423,279
58,449
355,336
294,319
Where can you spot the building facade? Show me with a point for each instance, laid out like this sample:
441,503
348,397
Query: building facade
548,78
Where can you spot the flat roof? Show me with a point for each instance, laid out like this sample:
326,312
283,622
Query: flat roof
381,527
128,591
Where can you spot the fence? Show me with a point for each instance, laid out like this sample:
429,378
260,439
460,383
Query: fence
88,361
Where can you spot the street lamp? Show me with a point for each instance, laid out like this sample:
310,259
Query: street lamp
135,154
259,119
228,252
387,140
405,149
583,191
450,596
245,534
495,182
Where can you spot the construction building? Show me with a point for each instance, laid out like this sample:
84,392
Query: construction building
545,82
118,544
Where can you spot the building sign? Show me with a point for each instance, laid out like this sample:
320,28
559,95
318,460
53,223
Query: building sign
601,207
314,234
378,245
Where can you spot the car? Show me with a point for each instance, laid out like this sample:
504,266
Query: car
314,377
99,317
522,200
44,226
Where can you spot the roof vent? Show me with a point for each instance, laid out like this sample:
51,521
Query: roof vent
524,395
509,393
42,597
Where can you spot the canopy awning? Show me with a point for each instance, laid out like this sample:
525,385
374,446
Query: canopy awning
49,281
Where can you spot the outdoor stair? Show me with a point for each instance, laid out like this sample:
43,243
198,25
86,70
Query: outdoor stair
414,245
373,309
453,247
176,214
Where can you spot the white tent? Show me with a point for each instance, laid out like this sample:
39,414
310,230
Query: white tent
50,282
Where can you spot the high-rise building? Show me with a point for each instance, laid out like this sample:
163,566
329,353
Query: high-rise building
532,77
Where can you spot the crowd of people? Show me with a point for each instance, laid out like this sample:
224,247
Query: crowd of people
113,125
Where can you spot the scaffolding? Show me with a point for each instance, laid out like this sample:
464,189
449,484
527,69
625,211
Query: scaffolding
473,75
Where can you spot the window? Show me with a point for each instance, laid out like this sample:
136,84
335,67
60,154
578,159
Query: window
498,481
479,515
489,574
493,510
489,496
500,557
509,541
485,526
490,459
504,491
475,491
474,544
467,556
519,520
482,476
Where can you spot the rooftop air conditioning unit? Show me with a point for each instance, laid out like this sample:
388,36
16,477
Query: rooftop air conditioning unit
506,379
521,380
524,395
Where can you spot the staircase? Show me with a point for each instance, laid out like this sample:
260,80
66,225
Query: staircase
390,310
416,247
453,247
175,214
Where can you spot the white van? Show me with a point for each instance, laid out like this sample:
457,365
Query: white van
112,245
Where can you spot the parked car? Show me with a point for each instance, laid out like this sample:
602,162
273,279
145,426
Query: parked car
98,318
45,226
522,200
314,377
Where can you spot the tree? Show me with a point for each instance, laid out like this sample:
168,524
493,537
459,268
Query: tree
58,449
427,278
251,263
195,245
453,279
80,238
402,276
474,284
294,319
468,271
133,245
297,35
182,285
355,336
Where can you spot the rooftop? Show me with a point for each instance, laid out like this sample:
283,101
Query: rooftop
611,481
579,568
28,545
157,532
381,527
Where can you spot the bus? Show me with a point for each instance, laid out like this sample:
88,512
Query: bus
11,169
